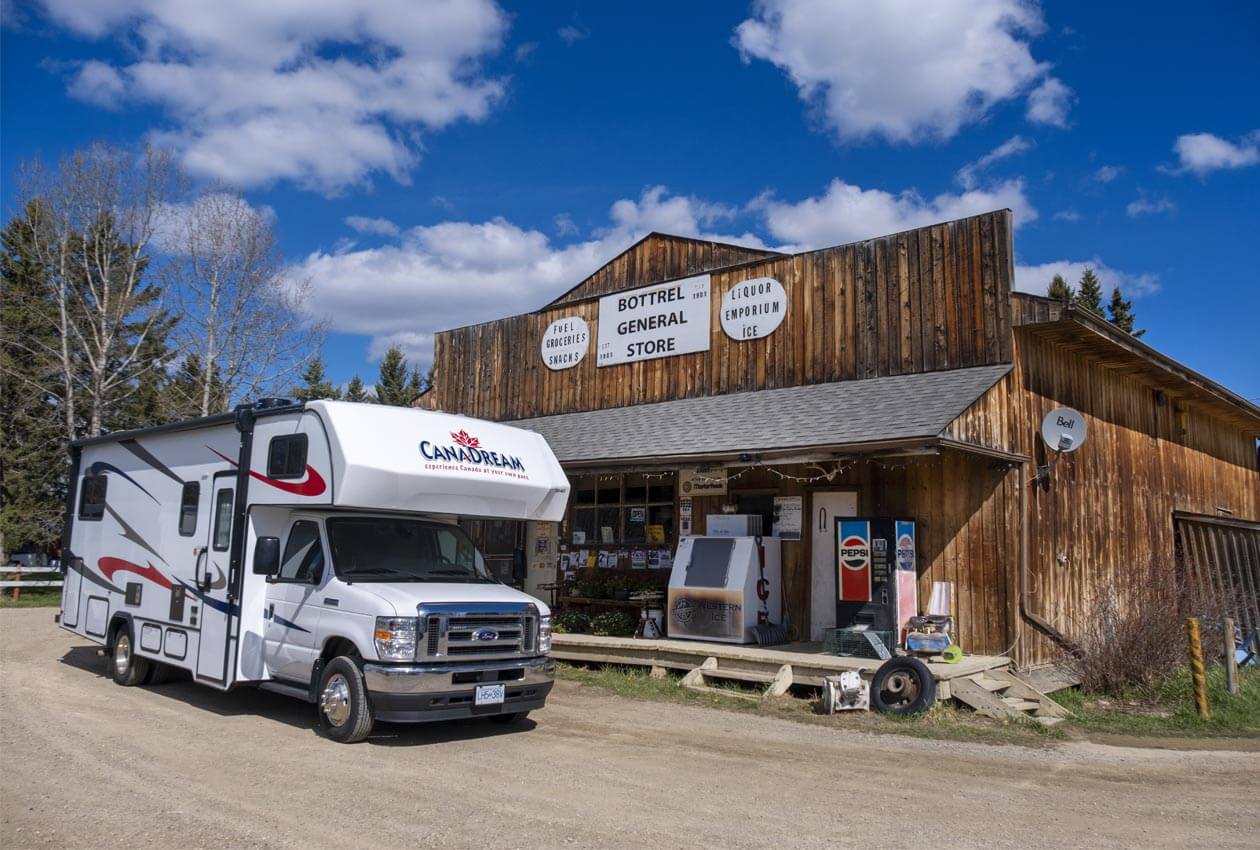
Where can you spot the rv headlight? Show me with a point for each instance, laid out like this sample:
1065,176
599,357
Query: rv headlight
395,638
544,634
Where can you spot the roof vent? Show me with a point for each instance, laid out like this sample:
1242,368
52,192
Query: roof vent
272,402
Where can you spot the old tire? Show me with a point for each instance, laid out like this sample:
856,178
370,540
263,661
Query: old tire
345,715
125,667
510,719
903,686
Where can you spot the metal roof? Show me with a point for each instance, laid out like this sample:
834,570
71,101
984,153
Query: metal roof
895,408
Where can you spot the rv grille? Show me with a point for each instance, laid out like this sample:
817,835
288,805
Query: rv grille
484,631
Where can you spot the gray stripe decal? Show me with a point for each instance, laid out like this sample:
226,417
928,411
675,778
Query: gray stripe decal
146,456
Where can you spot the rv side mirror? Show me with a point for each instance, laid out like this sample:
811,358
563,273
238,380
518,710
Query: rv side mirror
518,564
267,556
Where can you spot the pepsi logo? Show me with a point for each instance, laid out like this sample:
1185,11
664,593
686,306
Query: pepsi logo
855,552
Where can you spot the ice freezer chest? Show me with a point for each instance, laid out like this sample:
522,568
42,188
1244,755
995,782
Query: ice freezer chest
721,587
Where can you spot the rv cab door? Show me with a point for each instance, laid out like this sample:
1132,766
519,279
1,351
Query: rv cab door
292,611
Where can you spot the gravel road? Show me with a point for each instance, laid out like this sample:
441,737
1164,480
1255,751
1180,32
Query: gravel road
85,763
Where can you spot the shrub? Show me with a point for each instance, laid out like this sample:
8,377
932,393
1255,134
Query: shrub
1135,633
571,621
613,624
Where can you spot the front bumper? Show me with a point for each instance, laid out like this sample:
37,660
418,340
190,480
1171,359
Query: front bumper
414,693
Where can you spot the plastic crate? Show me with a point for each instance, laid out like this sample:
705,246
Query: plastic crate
860,643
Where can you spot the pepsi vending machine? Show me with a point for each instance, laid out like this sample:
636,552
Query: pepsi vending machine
876,574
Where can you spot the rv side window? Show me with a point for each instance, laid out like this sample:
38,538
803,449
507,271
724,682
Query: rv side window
92,497
188,509
222,519
303,555
286,456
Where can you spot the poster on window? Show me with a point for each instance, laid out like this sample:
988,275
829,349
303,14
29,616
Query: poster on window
787,517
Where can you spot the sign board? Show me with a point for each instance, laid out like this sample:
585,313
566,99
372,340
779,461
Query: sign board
853,553
787,517
1063,429
655,321
753,308
706,612
565,342
702,481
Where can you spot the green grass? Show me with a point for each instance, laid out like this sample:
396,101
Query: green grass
943,721
1167,708
42,598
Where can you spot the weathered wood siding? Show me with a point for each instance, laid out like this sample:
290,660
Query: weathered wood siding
923,300
1109,505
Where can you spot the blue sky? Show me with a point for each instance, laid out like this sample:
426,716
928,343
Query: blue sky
434,164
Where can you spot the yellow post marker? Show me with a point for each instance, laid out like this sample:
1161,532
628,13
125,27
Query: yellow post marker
1196,666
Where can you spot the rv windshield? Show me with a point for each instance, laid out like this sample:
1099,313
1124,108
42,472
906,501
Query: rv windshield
397,549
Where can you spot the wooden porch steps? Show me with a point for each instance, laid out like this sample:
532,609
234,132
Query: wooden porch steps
1005,695
712,670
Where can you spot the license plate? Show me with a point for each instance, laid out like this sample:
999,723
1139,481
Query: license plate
489,695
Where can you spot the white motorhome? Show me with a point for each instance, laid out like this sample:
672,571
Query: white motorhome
313,549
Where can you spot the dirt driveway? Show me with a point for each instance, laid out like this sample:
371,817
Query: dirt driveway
85,763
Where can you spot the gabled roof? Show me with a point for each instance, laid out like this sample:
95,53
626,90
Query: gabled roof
866,413
658,257
1090,335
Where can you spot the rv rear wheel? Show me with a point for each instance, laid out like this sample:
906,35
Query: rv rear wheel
344,712
124,665
903,686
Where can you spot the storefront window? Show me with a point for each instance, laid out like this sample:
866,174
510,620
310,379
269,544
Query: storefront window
635,508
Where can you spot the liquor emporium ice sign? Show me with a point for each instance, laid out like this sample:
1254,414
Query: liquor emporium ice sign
656,321
565,342
753,308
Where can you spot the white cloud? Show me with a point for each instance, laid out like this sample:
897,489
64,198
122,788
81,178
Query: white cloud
571,35
456,273
1108,173
1149,206
1050,102
1036,279
967,175
98,84
1203,153
1067,215
374,226
847,213
902,69
565,225
321,92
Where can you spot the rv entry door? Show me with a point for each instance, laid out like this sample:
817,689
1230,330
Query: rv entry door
212,583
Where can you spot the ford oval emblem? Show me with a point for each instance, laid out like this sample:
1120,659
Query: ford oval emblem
485,634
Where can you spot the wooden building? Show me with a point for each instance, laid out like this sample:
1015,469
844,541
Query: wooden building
895,376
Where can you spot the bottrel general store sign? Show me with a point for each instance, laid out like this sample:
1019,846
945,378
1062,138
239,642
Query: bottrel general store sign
656,321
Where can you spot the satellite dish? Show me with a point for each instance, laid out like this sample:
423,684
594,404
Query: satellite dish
1063,429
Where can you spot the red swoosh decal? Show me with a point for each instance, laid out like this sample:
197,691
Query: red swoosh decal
109,566
313,485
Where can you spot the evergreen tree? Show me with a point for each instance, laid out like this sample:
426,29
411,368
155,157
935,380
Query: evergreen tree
148,403
315,383
1059,289
1121,313
395,386
32,457
184,391
1089,293
356,392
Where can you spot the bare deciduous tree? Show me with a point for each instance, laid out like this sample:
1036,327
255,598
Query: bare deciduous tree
242,316
97,216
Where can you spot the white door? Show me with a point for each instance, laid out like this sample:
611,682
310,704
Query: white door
825,506
294,602
216,602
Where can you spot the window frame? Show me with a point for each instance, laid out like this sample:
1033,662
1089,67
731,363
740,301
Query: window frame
195,488
299,438
215,526
621,507
98,508
323,551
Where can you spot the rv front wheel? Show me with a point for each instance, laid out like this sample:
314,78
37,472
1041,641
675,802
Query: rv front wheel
124,665
344,712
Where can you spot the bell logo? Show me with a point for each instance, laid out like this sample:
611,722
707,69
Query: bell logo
855,552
